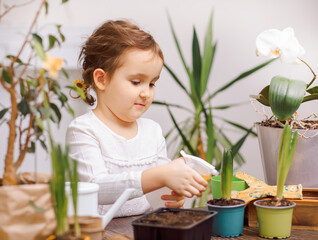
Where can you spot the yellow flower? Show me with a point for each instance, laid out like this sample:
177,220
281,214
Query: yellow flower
80,84
52,65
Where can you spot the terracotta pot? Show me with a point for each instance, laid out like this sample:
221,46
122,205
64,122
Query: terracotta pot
304,166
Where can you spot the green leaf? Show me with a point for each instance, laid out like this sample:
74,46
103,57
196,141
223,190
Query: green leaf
65,73
174,76
55,113
196,64
52,41
285,96
285,156
313,90
3,112
207,58
60,32
178,47
227,174
310,97
38,46
43,145
185,141
46,8
11,57
264,96
211,139
64,1
241,76
6,76
235,148
40,123
23,107
31,149
172,105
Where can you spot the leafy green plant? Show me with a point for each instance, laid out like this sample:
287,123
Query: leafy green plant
284,95
63,169
286,152
190,132
227,174
27,85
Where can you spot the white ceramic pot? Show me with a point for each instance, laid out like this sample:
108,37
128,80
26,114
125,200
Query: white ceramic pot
304,167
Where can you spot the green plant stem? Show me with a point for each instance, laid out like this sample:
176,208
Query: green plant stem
311,82
227,174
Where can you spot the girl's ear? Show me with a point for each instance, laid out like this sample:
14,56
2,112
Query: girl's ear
100,78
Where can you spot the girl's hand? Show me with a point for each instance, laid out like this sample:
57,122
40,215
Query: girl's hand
182,179
175,200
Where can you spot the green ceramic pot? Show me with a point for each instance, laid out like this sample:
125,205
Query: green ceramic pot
237,185
274,222
229,220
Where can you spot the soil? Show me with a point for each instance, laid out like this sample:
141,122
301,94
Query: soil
173,218
306,124
224,202
273,202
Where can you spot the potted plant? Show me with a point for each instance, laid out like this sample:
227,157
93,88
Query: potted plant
188,133
284,96
26,84
230,210
274,216
64,169
174,224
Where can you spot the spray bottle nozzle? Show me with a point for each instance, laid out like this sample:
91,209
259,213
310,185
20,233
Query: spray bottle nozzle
204,168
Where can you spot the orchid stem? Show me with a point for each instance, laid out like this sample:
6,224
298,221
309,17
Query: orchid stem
308,85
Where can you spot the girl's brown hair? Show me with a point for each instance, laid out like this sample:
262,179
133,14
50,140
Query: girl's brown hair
106,45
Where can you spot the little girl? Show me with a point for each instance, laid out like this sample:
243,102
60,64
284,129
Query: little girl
112,144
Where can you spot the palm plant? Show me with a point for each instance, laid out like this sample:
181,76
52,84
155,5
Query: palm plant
200,124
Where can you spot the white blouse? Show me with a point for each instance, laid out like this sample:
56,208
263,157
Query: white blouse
114,162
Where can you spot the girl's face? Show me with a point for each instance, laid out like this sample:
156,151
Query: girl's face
130,91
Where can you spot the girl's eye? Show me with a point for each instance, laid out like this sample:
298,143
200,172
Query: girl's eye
152,84
135,82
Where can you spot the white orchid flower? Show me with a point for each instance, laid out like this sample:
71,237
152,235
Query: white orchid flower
283,44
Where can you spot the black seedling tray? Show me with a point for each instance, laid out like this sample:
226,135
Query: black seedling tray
145,229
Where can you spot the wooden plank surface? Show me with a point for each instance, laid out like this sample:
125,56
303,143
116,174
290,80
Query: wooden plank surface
121,229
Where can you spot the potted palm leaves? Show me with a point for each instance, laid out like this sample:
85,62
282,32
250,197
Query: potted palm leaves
275,216
199,134
285,96
229,210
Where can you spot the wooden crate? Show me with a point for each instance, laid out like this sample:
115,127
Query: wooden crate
305,214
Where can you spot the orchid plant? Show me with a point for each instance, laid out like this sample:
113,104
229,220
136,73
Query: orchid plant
284,96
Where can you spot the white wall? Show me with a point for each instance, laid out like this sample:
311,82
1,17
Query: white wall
236,25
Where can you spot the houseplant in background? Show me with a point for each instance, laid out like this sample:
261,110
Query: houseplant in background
284,96
230,210
198,134
275,216
26,85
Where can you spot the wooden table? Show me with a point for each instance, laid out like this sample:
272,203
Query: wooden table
122,226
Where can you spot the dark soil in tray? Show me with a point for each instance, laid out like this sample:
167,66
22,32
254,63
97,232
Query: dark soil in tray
173,218
273,202
224,202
